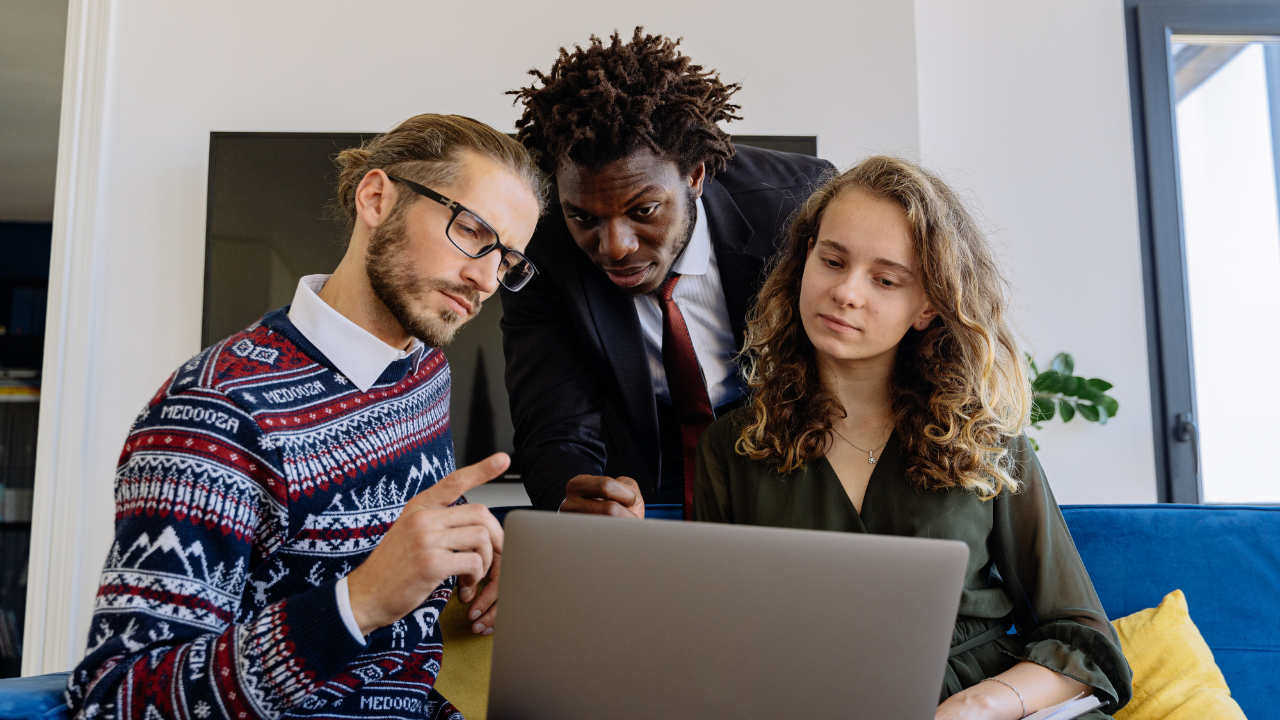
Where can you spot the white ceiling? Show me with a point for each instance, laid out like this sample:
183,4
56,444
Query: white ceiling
32,37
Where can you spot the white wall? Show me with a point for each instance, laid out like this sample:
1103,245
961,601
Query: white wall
1024,106
147,80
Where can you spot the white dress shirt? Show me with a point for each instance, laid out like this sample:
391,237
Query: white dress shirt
358,354
700,296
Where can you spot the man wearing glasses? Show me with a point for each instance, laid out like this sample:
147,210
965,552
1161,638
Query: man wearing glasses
288,516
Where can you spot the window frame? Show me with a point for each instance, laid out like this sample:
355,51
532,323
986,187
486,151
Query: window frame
1150,26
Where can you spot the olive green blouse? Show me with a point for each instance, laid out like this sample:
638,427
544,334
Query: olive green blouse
1023,566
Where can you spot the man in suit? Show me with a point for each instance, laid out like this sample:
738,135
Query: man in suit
621,351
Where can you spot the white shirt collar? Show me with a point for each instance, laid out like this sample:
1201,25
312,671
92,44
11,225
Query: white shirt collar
697,255
356,352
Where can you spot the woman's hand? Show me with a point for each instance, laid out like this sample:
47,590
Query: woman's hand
988,700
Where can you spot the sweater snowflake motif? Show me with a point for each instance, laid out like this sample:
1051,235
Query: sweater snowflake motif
255,479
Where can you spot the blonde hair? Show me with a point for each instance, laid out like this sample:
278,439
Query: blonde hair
960,389
428,150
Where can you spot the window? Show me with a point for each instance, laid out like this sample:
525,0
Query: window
1209,131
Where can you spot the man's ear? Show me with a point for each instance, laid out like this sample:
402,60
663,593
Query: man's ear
375,197
696,179
925,317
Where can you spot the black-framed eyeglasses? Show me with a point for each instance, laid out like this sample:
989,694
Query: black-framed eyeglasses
476,238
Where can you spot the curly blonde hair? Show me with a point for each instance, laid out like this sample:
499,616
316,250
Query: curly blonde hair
959,387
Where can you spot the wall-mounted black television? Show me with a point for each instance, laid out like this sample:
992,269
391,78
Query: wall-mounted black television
268,225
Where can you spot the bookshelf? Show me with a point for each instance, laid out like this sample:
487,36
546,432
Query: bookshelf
18,421
24,273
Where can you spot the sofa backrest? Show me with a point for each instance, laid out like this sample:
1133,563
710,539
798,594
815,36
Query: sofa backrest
1225,559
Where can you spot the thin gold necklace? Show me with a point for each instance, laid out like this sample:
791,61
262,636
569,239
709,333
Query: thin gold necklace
871,454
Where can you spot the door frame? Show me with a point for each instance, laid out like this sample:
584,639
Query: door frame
1150,26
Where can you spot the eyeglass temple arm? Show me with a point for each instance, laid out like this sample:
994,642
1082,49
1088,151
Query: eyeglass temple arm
427,192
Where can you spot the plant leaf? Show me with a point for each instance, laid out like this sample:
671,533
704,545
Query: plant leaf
1047,381
1068,411
1034,445
1088,412
1110,405
1089,394
1042,409
1063,364
1032,363
1100,385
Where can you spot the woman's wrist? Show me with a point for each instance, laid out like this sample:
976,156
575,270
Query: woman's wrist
986,700
1006,698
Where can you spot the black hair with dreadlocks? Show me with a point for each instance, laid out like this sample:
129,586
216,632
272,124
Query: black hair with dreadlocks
602,103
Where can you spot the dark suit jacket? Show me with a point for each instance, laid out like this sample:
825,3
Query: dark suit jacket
582,399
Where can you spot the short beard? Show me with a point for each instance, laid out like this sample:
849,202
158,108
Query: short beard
690,222
398,288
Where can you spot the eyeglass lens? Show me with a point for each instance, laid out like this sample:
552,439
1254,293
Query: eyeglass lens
514,271
474,237
471,234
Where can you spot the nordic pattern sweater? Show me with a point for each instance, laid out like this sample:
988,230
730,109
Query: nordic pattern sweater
256,478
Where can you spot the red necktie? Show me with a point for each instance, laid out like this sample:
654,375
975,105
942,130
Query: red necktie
684,380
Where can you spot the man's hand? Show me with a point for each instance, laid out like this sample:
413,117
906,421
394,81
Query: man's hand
429,542
597,495
484,612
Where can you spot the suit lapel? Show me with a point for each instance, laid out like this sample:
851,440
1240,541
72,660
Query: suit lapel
742,260
742,257
613,313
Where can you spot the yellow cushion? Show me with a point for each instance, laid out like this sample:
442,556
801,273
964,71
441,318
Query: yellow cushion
1174,675
464,672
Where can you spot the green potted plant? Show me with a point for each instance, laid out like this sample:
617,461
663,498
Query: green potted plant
1059,392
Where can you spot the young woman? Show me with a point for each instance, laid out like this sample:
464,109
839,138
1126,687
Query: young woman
889,397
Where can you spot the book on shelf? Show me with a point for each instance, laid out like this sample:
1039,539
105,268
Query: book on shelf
19,385
10,638
15,504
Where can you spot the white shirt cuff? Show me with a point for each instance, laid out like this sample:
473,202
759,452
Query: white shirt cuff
343,594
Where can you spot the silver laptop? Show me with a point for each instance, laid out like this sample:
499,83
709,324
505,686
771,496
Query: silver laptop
606,618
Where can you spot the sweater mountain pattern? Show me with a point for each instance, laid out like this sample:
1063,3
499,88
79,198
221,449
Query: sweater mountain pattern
254,480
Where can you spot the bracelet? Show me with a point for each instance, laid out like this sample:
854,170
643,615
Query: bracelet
1015,692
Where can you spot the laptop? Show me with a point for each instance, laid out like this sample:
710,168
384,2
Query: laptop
607,618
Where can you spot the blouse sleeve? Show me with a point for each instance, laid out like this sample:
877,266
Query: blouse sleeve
1058,614
711,482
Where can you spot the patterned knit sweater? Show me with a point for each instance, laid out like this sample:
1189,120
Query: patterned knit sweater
254,480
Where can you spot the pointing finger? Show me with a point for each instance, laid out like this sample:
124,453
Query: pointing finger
457,483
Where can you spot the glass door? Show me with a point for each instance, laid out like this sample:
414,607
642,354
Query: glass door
1225,120
1210,105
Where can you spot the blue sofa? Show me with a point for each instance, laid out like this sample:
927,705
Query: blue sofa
1226,560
